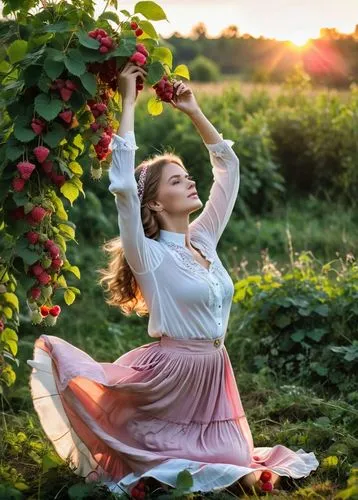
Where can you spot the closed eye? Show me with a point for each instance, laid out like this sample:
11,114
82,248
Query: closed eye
190,177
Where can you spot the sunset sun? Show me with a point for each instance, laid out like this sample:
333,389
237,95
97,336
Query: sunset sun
299,38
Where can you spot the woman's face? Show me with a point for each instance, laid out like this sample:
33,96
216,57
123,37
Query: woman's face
177,191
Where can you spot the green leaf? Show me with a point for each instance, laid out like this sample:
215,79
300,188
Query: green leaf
20,198
150,10
126,47
154,106
87,41
89,82
55,54
57,27
53,68
164,55
44,83
110,16
5,67
32,74
183,71
14,151
184,480
155,72
74,62
55,135
148,28
23,133
125,13
283,320
17,50
322,309
28,256
69,297
46,107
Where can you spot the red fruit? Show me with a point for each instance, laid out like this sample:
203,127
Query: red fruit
107,42
59,180
2,326
18,184
139,32
47,166
66,116
141,48
59,83
56,263
66,94
37,214
32,237
93,33
25,168
45,310
135,492
103,49
102,32
37,269
44,278
138,58
41,153
55,310
134,25
101,107
267,486
141,485
54,251
265,476
37,126
70,85
35,293
49,243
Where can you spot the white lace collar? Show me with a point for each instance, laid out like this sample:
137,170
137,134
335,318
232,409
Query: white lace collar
171,236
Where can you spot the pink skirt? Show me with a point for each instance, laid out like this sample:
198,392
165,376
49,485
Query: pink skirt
158,409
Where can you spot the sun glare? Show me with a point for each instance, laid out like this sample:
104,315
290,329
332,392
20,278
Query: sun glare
299,38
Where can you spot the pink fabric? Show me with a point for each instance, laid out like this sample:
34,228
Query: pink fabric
163,400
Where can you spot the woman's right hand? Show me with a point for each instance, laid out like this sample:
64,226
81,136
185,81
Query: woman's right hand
127,78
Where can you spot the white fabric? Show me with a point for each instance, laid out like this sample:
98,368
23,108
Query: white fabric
174,285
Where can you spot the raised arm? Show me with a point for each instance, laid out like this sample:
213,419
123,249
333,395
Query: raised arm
139,250
225,168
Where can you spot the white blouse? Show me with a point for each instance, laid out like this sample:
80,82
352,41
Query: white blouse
184,299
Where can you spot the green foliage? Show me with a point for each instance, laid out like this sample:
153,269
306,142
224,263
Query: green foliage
301,321
204,69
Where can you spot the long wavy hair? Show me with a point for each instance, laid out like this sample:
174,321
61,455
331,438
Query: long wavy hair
117,278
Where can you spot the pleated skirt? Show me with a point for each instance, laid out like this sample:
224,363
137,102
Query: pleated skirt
158,409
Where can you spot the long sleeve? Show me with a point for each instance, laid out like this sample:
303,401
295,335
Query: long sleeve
142,253
223,193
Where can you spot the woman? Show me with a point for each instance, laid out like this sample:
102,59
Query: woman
172,404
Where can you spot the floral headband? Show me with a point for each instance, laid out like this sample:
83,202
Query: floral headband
140,186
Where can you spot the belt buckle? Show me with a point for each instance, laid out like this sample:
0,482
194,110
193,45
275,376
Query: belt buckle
216,343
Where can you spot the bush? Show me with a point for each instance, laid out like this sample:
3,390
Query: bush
204,69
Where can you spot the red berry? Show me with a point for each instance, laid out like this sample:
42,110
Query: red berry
37,269
267,486
32,237
35,293
70,85
141,48
41,153
18,184
59,180
102,32
49,243
66,116
36,215
92,34
95,126
139,32
25,168
107,42
18,213
138,58
134,25
59,83
37,126
44,278
265,476
45,310
103,49
55,310
56,263
54,251
2,326
66,94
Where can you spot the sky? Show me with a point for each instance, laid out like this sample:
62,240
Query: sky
295,20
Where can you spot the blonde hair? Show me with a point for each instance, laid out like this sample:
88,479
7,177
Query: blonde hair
118,279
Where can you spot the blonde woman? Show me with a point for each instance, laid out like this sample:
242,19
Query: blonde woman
172,404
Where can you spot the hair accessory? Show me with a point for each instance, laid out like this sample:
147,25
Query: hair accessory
141,181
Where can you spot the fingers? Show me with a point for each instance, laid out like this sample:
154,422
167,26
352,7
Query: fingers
180,87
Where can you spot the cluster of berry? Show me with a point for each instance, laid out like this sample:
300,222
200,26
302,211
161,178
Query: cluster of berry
64,87
138,491
164,89
106,72
99,110
138,31
106,42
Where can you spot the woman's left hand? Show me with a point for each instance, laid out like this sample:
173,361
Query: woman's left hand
184,98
